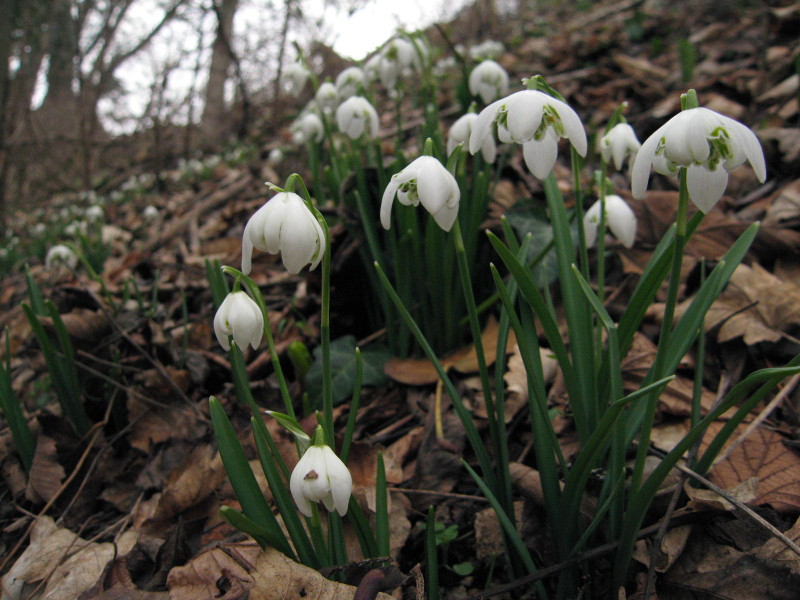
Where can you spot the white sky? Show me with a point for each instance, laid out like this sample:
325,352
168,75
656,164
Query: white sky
369,27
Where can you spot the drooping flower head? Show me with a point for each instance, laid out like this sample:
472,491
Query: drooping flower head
486,49
619,218
460,132
294,78
356,116
239,317
350,82
286,225
426,181
618,144
327,97
537,121
708,145
398,57
489,81
321,476
308,128
61,255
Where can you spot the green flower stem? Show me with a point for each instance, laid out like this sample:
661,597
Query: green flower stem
381,509
666,329
463,414
318,536
255,293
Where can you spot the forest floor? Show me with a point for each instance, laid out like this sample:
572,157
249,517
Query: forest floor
142,489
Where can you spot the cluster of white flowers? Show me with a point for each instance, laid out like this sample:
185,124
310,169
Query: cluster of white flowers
488,49
60,256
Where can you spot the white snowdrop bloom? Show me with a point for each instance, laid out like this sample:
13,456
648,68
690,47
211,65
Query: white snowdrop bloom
239,317
286,225
398,57
60,255
150,213
535,120
94,213
620,219
618,144
327,97
350,82
489,81
708,144
308,128
294,78
275,156
459,134
486,49
356,116
445,65
425,180
372,68
321,476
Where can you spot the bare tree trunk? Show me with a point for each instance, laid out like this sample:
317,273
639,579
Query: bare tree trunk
287,18
213,121
7,8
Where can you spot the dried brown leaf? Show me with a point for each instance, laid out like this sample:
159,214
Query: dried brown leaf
243,571
46,474
422,372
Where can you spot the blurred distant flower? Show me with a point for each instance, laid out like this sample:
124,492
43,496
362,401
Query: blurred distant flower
321,476
356,116
275,157
150,213
620,219
425,180
239,317
444,65
535,120
487,49
398,57
94,213
286,225
294,78
618,144
60,255
489,81
327,97
708,144
460,132
350,82
308,128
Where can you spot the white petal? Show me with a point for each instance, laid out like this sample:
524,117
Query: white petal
482,126
340,481
573,126
540,155
220,329
387,200
746,142
621,220
640,172
489,150
591,223
525,110
706,187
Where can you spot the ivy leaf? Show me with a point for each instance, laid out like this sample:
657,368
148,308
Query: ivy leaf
343,368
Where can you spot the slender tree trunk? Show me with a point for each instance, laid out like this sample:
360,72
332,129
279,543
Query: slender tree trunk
214,120
9,9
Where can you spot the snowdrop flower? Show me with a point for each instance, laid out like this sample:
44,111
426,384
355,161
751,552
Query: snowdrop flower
372,68
327,97
486,49
397,58
459,134
535,120
356,116
350,82
94,213
307,128
294,78
708,144
620,219
489,81
150,213
286,225
424,180
275,157
239,317
618,144
321,476
60,255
